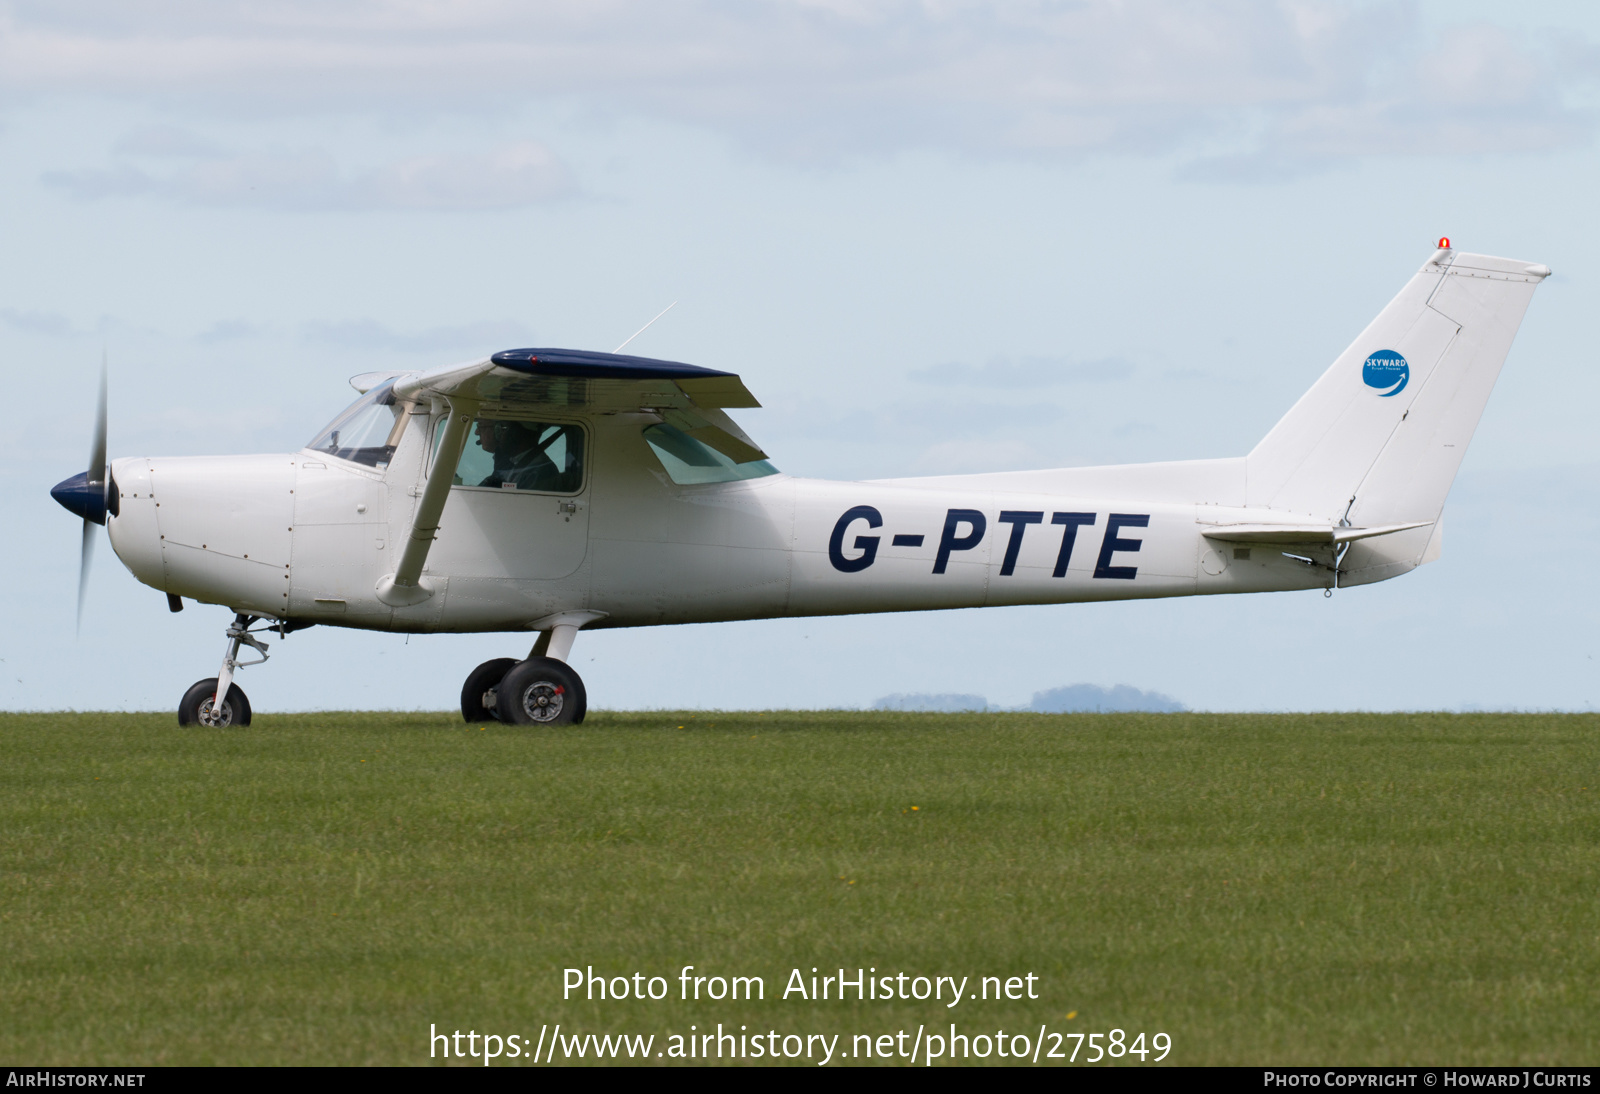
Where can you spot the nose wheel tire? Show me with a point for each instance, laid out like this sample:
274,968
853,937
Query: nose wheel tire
477,702
541,691
200,709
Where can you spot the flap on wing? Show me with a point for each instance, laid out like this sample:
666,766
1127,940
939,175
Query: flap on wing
712,427
725,390
1302,533
579,378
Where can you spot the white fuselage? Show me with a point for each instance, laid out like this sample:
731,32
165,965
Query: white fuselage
307,537
574,510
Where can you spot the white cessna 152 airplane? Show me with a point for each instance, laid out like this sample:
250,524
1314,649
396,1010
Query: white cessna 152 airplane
547,490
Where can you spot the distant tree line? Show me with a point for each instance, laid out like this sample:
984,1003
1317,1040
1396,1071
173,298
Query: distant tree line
1074,698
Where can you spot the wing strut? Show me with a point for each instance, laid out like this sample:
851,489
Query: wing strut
406,586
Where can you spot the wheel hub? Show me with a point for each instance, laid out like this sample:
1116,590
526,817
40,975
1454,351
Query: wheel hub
543,700
214,718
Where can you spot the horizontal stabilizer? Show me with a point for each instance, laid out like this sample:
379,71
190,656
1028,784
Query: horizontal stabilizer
1307,534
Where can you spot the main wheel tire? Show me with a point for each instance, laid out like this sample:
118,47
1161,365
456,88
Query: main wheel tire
196,708
480,681
541,691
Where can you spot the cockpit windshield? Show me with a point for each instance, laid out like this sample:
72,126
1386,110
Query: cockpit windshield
368,430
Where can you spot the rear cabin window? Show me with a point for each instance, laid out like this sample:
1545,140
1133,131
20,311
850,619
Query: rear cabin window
544,457
367,431
689,462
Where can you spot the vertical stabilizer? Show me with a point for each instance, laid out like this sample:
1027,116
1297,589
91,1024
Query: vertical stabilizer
1378,439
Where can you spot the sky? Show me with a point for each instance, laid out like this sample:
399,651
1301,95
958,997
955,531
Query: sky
933,237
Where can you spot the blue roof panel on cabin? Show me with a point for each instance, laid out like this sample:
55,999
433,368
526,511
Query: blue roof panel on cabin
597,366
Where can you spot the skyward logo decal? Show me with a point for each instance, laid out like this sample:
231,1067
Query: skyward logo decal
1387,372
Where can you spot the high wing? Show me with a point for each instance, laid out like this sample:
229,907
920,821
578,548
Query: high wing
515,382
688,397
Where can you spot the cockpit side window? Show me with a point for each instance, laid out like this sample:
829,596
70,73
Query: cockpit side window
368,430
505,454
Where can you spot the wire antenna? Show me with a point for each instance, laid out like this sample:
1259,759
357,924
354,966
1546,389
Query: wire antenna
646,327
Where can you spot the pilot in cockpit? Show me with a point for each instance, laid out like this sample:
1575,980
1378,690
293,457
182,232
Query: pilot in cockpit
519,456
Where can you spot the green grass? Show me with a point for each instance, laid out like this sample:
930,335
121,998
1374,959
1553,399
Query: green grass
1264,888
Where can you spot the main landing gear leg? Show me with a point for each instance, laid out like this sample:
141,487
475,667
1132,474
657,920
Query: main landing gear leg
542,690
217,702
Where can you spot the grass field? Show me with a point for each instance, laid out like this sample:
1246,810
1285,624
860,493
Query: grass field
1263,888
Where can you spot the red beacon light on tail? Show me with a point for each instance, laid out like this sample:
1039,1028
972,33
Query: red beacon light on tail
1444,243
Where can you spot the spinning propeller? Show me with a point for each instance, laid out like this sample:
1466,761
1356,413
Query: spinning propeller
88,494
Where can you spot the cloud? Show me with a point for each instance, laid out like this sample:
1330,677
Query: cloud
902,421
480,338
165,141
229,330
1028,372
95,183
47,324
1238,85
961,455
519,174
1479,91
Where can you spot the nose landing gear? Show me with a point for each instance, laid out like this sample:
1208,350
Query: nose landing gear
217,702
199,706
